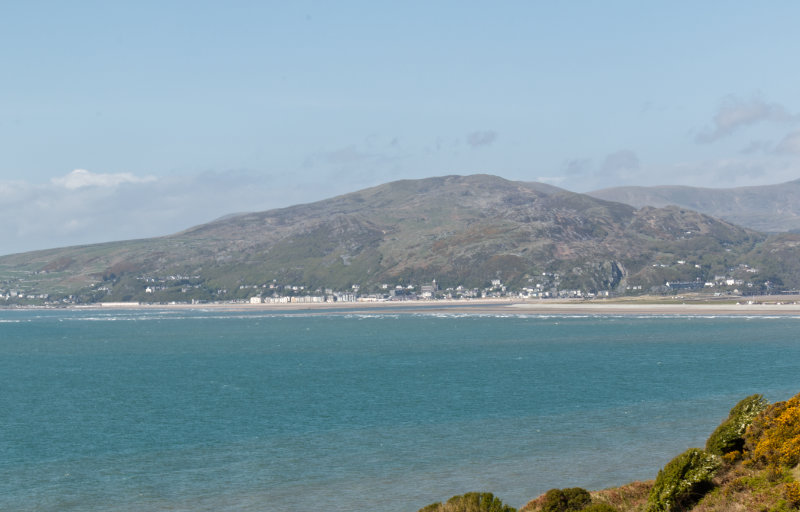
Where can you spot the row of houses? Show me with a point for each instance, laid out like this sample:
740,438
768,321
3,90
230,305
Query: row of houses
15,294
304,299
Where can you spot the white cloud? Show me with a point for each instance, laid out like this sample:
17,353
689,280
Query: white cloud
736,113
80,178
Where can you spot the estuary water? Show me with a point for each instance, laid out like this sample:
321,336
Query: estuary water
173,410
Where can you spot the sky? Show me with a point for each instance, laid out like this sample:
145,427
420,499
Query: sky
124,120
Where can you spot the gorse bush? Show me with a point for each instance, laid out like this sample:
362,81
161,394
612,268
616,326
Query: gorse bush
572,499
683,481
773,437
470,502
729,435
731,457
792,492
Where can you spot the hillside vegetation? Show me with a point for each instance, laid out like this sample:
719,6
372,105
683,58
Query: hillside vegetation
751,463
459,230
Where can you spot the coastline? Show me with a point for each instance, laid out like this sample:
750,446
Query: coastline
775,306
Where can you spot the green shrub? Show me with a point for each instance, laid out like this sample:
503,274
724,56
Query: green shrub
599,507
683,481
470,502
729,435
571,499
433,507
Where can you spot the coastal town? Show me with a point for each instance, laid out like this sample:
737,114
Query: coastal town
192,289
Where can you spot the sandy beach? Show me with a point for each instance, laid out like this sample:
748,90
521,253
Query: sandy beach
783,306
762,309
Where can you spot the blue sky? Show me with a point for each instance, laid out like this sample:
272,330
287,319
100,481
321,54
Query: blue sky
124,120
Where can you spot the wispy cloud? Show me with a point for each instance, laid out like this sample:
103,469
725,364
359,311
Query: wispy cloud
736,113
755,147
343,156
577,166
620,164
377,151
366,163
481,138
790,144
734,171
620,167
80,178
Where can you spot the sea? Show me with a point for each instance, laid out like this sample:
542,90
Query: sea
149,410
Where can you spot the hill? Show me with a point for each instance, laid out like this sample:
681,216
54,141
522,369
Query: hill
462,231
770,208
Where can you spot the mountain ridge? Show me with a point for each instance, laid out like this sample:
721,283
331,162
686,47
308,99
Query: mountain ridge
463,231
766,208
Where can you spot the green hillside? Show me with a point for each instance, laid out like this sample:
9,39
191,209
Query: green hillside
462,231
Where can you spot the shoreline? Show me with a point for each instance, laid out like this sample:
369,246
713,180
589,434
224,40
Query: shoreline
778,306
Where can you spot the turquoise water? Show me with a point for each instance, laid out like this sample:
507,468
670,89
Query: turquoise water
145,410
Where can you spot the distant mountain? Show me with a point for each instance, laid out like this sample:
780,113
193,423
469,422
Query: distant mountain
459,230
770,208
